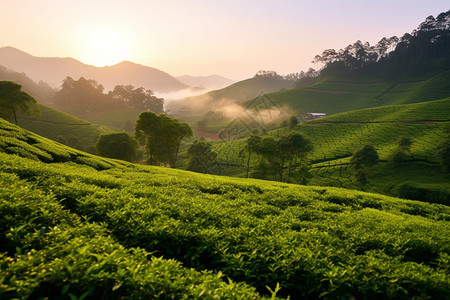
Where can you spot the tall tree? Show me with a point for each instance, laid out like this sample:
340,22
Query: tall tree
250,147
13,100
163,137
294,147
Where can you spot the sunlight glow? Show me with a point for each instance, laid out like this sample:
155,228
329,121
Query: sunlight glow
103,46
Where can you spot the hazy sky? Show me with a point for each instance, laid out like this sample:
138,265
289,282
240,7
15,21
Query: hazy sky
233,38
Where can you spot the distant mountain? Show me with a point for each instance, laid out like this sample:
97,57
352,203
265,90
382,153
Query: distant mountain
54,69
208,82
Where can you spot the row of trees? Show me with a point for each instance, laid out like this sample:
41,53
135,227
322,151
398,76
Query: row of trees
431,40
87,95
268,157
290,77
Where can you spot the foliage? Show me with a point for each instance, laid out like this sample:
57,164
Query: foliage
133,231
81,96
403,151
13,100
444,155
201,157
364,156
87,96
412,53
117,145
292,122
276,155
137,98
163,137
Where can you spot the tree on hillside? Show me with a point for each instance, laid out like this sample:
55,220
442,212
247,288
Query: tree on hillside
364,156
444,152
270,165
278,155
201,156
117,145
13,100
81,96
137,98
403,151
293,122
293,148
163,136
250,147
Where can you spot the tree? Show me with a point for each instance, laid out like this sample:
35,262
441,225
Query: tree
117,145
250,147
13,100
293,122
271,163
201,156
444,155
163,136
81,96
276,155
294,146
404,143
137,98
403,151
364,156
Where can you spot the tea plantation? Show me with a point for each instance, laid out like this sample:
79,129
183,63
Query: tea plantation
79,226
336,137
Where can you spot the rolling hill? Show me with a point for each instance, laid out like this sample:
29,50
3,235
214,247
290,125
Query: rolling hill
76,225
340,94
59,126
236,93
54,70
336,137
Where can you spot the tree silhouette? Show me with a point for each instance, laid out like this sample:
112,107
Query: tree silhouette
163,136
13,100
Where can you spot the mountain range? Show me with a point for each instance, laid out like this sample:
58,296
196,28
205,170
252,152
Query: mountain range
54,70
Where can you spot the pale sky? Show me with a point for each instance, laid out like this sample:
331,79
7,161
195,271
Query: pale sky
232,38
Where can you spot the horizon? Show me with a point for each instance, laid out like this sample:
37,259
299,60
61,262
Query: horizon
233,39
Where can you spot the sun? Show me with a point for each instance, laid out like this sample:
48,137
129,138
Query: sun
105,46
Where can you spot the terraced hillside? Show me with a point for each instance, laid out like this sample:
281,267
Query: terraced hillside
79,226
335,95
336,137
56,125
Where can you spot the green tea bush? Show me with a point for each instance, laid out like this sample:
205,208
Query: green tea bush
129,231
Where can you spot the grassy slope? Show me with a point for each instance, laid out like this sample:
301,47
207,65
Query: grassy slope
124,119
335,95
336,137
312,241
53,123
